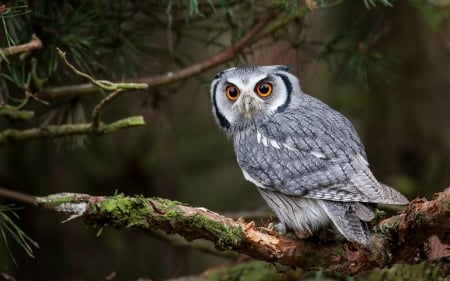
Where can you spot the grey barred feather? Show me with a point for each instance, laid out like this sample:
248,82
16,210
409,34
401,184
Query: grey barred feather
305,158
344,217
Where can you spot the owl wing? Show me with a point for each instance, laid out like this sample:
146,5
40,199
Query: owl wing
312,151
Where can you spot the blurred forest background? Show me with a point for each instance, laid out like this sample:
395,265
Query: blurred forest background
383,64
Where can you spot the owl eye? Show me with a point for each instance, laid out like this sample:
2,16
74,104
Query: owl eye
232,93
264,89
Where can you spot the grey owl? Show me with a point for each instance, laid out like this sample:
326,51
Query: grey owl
305,158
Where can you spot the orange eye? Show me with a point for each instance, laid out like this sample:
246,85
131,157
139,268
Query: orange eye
232,93
264,89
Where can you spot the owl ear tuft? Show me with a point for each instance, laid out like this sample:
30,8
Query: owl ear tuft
285,68
218,75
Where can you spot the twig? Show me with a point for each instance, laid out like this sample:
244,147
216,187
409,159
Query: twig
102,84
99,107
17,196
56,131
13,113
344,257
34,44
117,89
221,57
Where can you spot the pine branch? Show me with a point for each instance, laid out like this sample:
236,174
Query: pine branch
34,44
410,229
102,84
15,114
219,58
17,196
9,136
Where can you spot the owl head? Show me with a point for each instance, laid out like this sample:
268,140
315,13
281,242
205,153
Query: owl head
244,95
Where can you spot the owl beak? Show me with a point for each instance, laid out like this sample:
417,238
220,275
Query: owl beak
247,106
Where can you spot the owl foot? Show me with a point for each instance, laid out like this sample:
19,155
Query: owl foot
302,234
281,228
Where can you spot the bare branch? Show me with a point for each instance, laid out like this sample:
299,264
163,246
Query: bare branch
17,196
34,44
56,131
154,81
102,84
228,234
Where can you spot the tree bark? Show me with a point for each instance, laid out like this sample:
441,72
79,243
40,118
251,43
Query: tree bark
404,238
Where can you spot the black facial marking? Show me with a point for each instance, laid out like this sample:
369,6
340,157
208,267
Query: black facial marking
222,120
218,75
284,68
288,85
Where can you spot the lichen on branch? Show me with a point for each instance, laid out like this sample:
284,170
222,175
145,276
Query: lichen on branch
9,136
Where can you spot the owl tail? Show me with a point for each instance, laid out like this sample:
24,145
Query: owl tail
392,196
347,217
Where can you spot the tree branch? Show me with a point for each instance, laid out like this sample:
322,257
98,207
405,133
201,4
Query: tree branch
17,196
417,222
96,113
56,131
34,44
16,114
102,84
170,77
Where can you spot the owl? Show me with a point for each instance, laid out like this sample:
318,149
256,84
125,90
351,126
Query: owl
305,158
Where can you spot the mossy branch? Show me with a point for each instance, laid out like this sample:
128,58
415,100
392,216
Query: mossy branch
410,229
96,127
57,131
15,114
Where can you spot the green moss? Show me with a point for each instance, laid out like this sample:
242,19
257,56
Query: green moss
124,211
228,236
173,214
418,272
386,229
168,203
117,203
